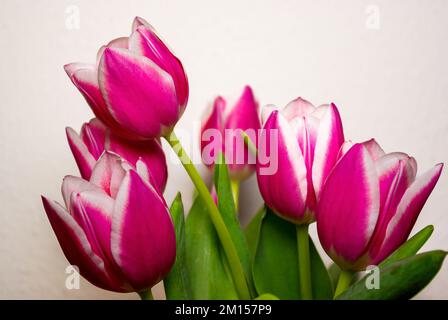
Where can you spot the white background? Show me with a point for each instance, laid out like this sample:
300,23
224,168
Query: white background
389,83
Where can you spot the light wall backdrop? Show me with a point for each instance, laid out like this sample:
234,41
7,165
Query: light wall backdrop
384,64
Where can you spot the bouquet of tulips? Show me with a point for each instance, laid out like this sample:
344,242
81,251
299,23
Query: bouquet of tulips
117,228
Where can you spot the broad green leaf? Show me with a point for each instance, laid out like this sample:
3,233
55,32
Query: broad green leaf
275,268
267,296
206,262
410,247
402,279
177,283
226,206
253,230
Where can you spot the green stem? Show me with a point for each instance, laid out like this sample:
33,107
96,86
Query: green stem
303,246
146,295
235,184
215,216
345,278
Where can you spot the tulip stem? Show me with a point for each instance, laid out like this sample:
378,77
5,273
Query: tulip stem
235,184
303,246
236,267
345,278
146,294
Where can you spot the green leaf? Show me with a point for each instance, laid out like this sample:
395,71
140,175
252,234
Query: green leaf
206,262
410,247
267,296
275,268
252,231
177,285
402,279
226,206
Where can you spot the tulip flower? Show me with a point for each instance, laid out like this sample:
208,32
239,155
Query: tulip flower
308,143
306,147
221,132
369,204
116,227
138,87
95,138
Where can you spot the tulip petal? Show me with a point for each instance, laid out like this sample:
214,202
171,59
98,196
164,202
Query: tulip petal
348,206
148,151
83,158
213,129
140,95
330,137
297,108
144,41
395,174
76,247
408,210
266,112
72,184
344,149
290,174
108,173
93,134
306,129
122,42
374,149
86,80
92,210
242,117
143,241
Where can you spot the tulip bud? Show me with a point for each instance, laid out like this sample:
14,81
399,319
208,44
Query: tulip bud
116,227
95,138
309,140
221,132
138,88
369,204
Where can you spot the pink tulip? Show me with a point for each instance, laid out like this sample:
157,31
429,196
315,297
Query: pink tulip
369,204
95,138
221,132
117,228
138,87
308,143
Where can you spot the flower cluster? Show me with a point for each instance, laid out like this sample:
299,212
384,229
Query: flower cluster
115,224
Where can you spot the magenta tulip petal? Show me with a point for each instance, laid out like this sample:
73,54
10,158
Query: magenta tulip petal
93,134
108,173
93,212
348,207
144,41
213,128
344,149
395,175
143,241
122,42
83,158
72,184
306,129
266,112
330,137
149,151
243,116
76,247
408,210
290,174
297,108
374,149
140,95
